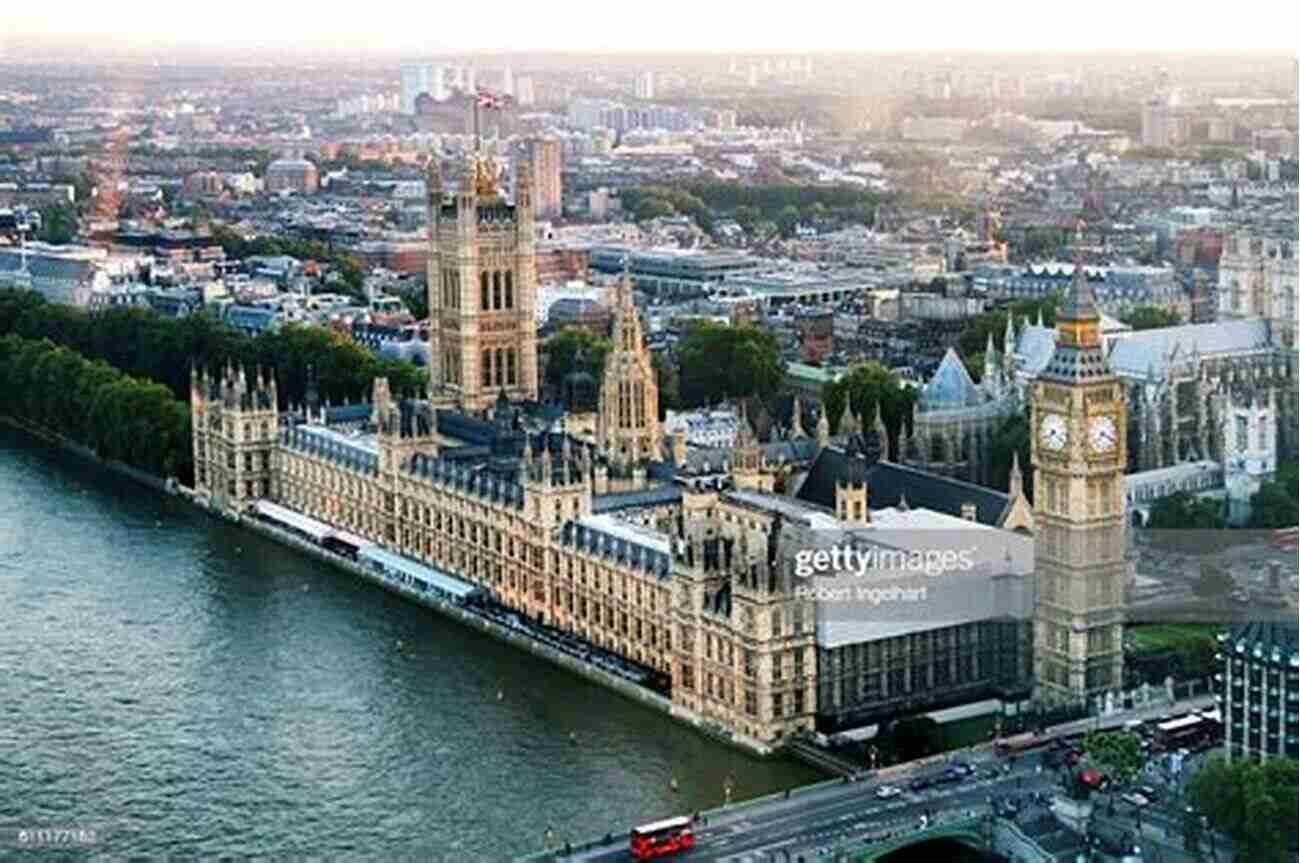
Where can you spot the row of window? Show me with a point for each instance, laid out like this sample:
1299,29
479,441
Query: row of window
496,290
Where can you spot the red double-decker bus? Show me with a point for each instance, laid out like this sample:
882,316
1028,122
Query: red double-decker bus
1286,537
661,838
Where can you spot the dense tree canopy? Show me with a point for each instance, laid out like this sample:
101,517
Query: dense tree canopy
347,266
576,350
1117,754
146,345
1254,803
58,224
1151,317
865,386
1275,504
1185,511
974,336
717,363
750,204
123,418
1012,439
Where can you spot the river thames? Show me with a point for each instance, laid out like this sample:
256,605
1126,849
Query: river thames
190,690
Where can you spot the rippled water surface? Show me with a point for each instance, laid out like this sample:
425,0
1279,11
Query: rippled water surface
193,691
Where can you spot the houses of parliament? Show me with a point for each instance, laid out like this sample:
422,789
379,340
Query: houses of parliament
695,574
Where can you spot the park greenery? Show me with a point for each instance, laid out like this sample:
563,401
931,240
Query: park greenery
718,363
146,345
123,418
1254,803
783,204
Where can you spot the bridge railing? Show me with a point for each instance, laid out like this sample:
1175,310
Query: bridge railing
870,848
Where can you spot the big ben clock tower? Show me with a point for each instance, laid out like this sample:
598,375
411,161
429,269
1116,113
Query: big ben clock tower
1077,416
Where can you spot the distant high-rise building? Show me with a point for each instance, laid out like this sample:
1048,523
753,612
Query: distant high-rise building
508,82
524,91
645,85
417,78
547,157
1158,126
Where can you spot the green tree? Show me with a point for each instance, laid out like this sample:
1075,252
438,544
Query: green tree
1012,440
1151,317
653,208
717,363
1254,803
669,383
865,386
1275,504
787,220
575,350
1117,754
914,737
1184,510
746,216
58,224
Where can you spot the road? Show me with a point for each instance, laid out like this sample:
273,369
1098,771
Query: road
811,823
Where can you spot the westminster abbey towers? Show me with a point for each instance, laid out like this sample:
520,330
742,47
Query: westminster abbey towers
1079,446
482,287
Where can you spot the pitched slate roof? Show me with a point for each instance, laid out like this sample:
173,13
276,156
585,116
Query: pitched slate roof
1035,346
888,483
950,386
1148,350
656,496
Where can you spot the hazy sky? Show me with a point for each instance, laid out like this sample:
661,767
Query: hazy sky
392,26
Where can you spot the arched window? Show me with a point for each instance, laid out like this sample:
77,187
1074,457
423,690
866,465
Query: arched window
496,290
487,366
510,363
483,289
510,290
501,367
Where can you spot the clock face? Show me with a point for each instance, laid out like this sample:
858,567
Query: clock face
1052,433
1102,434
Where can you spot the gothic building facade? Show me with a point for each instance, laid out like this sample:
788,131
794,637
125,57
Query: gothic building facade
1079,434
627,426
482,287
955,420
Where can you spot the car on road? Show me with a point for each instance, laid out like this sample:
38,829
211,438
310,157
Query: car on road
993,773
1005,809
962,767
952,774
1135,799
920,783
1148,792
885,792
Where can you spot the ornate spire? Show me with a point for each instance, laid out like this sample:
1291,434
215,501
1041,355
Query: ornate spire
1015,484
1080,305
1009,337
796,420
